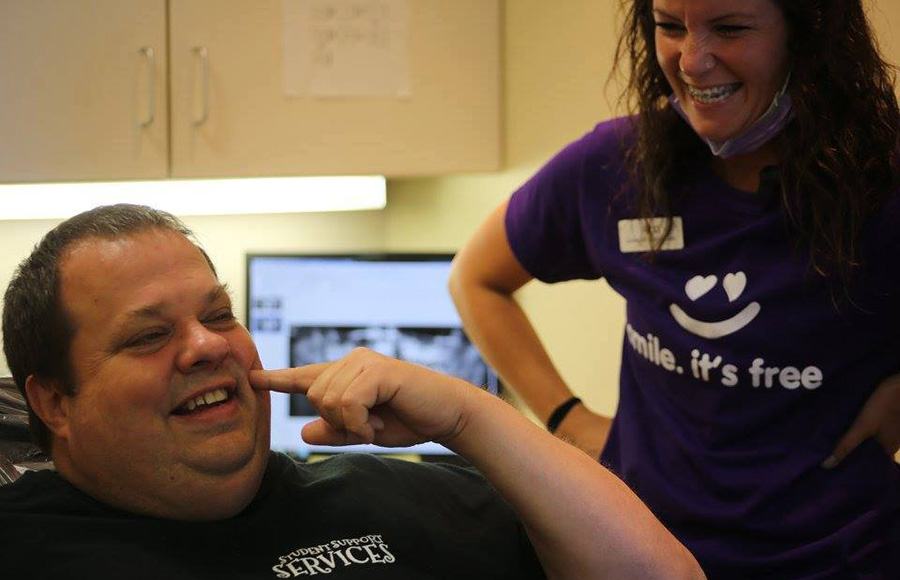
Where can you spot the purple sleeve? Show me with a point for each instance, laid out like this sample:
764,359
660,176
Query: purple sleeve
544,220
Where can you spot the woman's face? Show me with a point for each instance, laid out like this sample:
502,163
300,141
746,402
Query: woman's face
724,59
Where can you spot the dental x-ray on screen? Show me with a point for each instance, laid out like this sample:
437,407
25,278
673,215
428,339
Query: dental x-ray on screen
313,308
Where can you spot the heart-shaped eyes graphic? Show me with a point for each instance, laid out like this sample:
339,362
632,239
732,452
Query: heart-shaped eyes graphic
699,285
734,285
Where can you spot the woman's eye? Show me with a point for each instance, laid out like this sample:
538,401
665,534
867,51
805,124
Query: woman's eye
670,27
730,29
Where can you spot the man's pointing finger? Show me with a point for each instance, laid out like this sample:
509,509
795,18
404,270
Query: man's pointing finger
296,380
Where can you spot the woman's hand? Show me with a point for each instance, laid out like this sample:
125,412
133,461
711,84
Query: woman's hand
585,429
879,418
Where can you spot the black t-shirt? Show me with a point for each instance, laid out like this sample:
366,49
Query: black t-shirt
352,516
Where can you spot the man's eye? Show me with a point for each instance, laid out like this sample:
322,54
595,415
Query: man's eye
224,316
147,338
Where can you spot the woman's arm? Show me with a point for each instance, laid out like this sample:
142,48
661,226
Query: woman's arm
484,277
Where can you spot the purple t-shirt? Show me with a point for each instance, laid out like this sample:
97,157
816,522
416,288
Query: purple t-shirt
738,373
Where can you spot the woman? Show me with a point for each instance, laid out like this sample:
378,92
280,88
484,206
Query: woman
748,213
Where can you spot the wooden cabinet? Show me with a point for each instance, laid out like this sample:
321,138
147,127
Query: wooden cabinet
83,90
448,123
87,86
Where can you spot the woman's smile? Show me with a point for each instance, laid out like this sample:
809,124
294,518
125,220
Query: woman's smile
712,94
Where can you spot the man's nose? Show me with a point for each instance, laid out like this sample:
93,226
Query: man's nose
202,349
697,57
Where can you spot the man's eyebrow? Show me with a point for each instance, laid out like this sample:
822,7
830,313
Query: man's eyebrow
156,310
220,291
151,311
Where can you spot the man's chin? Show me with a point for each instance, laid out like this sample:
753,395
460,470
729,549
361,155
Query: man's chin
225,482
226,455
230,446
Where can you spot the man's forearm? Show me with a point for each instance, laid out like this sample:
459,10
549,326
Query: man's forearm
583,521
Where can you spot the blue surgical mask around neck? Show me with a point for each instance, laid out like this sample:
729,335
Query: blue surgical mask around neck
758,134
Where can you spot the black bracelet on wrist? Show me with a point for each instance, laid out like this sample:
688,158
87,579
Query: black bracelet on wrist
559,413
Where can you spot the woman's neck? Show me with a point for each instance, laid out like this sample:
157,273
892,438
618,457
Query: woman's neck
742,172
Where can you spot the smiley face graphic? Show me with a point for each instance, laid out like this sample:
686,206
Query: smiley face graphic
698,286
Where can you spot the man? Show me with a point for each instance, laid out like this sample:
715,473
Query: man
149,396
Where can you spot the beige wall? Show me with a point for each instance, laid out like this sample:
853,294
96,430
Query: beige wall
557,57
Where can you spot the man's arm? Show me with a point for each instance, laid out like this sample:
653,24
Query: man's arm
583,521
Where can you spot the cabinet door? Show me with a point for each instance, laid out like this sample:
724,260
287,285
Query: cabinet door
231,114
82,90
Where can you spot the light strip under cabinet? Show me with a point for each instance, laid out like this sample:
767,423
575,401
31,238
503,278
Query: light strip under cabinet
184,197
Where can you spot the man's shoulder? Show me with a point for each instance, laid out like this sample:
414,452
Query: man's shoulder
364,480
37,491
364,466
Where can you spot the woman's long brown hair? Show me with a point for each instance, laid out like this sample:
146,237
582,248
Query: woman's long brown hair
838,157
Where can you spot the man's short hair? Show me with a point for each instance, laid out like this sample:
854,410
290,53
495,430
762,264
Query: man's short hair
37,331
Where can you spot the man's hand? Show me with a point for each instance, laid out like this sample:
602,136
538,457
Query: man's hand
585,429
879,418
366,397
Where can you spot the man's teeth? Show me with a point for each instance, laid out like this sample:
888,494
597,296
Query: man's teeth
209,398
712,94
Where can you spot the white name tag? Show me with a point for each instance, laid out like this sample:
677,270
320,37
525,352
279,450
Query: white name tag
634,237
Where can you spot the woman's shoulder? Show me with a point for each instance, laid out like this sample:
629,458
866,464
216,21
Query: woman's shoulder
610,138
602,149
616,128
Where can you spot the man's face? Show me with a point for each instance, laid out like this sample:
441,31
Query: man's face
164,421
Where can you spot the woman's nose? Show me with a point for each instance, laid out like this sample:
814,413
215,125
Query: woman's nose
696,58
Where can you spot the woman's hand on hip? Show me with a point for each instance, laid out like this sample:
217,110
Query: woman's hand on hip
879,418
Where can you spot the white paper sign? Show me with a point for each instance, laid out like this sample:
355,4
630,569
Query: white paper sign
346,48
634,237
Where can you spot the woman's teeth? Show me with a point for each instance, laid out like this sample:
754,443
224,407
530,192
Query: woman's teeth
712,94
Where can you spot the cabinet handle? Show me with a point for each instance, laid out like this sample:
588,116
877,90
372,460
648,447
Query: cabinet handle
203,55
150,58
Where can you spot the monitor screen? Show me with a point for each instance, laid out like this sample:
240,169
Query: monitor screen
313,308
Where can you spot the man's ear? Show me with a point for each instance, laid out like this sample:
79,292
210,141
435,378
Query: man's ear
50,403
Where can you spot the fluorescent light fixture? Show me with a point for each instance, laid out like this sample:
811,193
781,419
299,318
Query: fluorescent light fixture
184,197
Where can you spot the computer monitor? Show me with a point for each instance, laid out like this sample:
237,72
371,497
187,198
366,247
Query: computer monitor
313,308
